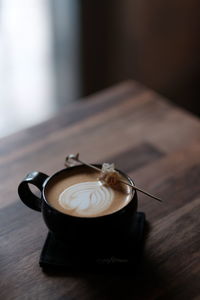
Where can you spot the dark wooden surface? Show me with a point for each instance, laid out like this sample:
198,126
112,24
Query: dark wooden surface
158,145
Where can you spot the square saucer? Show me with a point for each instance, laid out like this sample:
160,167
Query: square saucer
127,253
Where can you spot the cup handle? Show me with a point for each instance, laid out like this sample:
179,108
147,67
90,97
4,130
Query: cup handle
26,195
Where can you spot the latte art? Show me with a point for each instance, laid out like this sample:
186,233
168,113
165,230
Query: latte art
87,198
77,192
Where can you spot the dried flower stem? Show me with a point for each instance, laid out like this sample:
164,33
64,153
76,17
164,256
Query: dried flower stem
76,158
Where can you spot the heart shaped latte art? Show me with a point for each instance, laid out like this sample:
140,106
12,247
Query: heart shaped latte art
87,198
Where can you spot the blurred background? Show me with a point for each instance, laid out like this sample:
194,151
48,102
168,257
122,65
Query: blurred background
55,52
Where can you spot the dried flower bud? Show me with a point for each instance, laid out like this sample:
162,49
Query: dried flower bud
109,175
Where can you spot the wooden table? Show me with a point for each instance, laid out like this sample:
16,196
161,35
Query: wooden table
158,145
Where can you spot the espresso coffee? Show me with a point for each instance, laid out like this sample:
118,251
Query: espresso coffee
79,193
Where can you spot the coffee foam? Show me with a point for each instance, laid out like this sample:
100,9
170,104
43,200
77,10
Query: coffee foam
121,194
87,198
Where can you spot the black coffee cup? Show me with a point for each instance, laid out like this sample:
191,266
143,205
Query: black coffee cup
69,228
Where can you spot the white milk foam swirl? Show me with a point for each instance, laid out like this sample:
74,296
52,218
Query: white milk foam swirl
86,198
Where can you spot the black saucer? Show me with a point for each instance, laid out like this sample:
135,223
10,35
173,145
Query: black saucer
128,253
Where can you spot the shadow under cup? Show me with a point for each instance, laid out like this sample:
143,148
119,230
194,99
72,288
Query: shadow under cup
107,229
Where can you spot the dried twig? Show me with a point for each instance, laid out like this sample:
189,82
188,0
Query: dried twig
69,161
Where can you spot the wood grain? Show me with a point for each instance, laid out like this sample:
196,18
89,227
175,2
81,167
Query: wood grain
158,145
